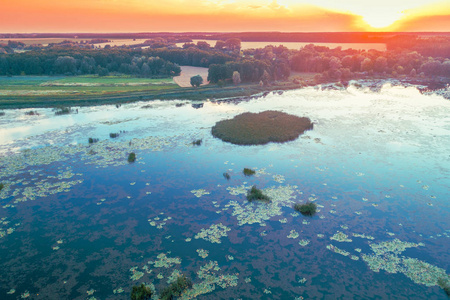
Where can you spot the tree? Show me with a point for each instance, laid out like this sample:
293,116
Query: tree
141,292
236,77
196,80
265,78
233,44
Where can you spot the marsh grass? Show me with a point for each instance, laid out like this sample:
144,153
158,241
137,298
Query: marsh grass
248,172
141,292
131,157
261,128
306,209
255,194
197,142
175,289
445,285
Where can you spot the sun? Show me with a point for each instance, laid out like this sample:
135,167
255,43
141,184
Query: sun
380,20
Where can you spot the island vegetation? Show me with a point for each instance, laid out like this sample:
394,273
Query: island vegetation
131,157
248,172
255,194
141,292
261,128
306,209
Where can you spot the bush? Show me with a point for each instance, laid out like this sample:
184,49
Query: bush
63,111
113,135
131,157
307,209
197,142
256,194
176,288
248,172
261,128
196,80
445,285
92,140
141,292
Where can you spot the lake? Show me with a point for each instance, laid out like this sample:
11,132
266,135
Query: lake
77,221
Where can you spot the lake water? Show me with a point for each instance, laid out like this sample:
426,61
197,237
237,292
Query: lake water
298,45
80,222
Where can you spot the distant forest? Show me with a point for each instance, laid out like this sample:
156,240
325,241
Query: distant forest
407,55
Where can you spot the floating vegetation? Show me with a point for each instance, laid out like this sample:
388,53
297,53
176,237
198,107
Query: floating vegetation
118,290
229,257
320,235
302,280
131,157
256,194
364,236
158,222
261,128
354,257
306,209
90,292
303,243
136,274
278,178
210,279
163,261
6,228
337,250
340,237
200,192
203,253
386,257
25,295
304,222
250,213
214,233
11,291
247,280
248,172
266,291
238,190
293,234
141,292
283,221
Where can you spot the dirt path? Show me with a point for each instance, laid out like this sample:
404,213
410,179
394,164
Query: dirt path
184,80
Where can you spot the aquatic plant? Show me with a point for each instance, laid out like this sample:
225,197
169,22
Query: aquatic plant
197,142
32,113
131,157
307,209
227,176
141,292
248,172
92,140
176,288
445,285
63,111
113,135
256,194
261,128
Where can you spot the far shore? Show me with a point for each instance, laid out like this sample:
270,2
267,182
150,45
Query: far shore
209,92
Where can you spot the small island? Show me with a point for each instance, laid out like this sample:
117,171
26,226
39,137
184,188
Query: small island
261,128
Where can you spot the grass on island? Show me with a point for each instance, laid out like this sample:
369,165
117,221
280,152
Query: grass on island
174,290
248,172
261,128
197,142
141,292
306,209
255,194
131,157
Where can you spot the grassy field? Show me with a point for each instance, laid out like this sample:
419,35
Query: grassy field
46,91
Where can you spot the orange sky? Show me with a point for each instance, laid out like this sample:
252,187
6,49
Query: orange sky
223,15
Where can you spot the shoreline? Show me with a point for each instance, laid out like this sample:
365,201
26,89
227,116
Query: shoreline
242,92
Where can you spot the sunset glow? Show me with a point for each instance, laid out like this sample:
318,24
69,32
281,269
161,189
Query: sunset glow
223,15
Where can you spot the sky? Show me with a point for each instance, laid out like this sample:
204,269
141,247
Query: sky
34,16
